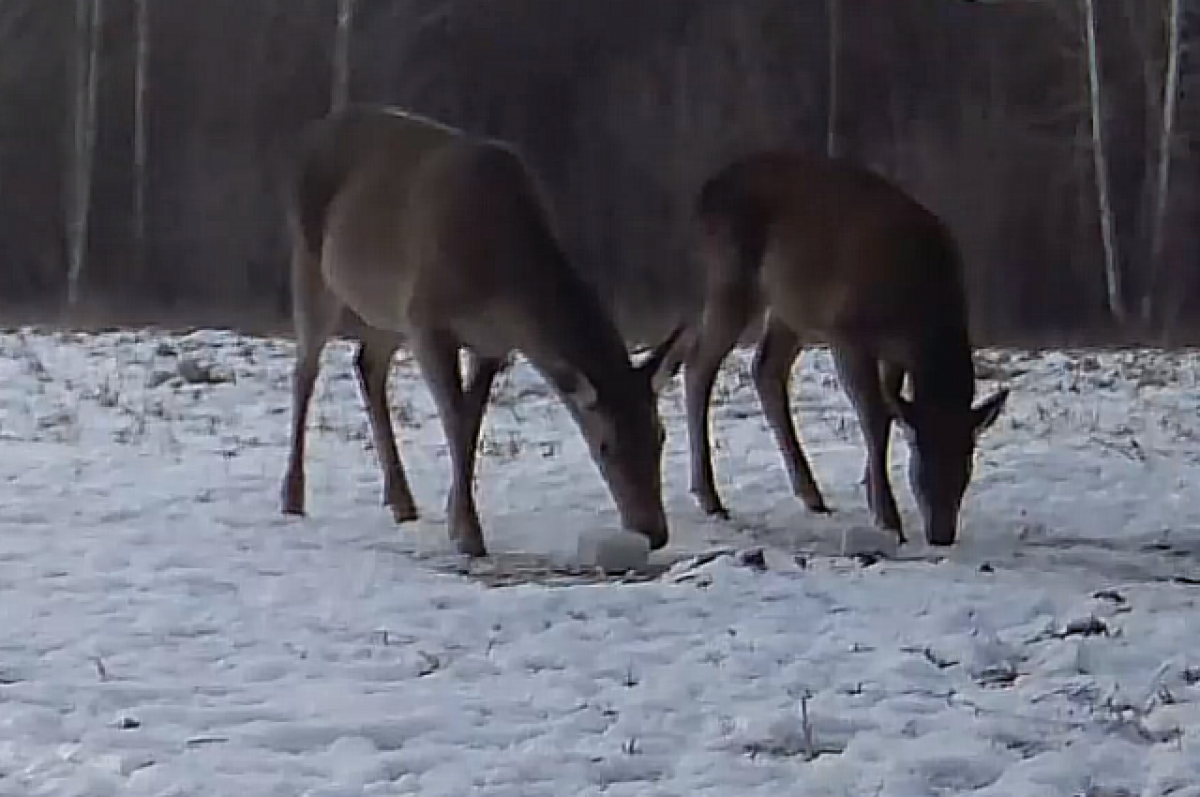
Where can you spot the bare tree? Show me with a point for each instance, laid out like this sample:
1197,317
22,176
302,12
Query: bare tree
1096,102
89,18
1005,115
1087,26
1166,140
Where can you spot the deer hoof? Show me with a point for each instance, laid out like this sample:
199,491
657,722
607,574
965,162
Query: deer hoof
719,512
815,502
404,513
890,523
292,505
893,525
886,516
466,533
471,546
291,496
711,505
658,541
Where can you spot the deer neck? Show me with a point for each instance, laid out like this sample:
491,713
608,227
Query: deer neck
942,371
569,330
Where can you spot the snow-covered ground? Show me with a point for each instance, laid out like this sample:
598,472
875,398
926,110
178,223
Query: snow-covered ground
164,631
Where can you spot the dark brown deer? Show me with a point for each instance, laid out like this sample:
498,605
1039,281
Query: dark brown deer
808,249
441,240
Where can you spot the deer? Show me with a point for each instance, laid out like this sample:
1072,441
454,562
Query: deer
796,249
424,235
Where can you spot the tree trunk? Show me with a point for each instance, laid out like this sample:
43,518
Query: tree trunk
1166,131
89,19
834,11
139,138
1112,265
341,54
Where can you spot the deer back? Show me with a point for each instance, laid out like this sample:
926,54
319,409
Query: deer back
836,249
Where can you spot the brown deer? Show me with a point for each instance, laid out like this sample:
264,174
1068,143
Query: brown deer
440,239
808,249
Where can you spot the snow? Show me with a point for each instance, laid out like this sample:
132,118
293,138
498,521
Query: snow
613,550
165,631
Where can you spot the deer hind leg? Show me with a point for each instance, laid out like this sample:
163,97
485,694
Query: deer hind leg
461,415
373,365
315,312
480,376
779,348
860,376
726,314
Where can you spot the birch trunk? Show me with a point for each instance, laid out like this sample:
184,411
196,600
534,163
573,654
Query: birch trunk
89,19
1112,266
1166,131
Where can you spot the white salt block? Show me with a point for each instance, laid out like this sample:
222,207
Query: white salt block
863,540
613,551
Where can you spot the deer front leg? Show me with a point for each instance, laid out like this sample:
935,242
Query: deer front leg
373,363
482,374
437,354
859,373
722,324
893,380
773,362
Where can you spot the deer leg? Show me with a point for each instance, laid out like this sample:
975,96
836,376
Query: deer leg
482,374
893,380
778,350
315,312
723,322
860,376
437,354
304,378
373,365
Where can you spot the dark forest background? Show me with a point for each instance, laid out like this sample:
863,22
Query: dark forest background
988,112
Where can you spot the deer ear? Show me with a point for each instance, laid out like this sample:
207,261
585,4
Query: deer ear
986,413
664,360
573,387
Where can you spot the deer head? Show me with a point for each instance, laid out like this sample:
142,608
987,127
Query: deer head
625,435
941,456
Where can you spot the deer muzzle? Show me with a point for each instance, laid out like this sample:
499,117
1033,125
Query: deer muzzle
941,528
651,524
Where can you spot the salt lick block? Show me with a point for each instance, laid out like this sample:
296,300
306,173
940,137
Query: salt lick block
859,540
613,551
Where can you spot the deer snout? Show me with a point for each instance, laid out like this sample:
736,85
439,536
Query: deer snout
651,524
942,528
638,496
